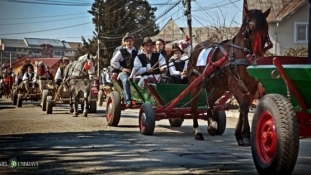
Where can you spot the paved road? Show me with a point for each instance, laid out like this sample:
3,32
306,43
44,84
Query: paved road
62,144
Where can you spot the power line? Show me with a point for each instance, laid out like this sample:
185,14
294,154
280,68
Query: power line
47,29
43,16
46,21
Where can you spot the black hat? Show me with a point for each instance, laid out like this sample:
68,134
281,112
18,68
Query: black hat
175,47
147,40
128,35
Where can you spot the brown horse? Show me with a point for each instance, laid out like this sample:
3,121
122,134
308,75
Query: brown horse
229,60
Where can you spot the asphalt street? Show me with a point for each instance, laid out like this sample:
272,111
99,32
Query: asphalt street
62,144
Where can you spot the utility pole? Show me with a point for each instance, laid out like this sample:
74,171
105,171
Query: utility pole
98,26
1,47
309,37
187,13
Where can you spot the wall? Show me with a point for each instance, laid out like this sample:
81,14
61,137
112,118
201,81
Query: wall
285,31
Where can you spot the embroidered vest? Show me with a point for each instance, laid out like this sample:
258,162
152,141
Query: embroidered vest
154,59
128,59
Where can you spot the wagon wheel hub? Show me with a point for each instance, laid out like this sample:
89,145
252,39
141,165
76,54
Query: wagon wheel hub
143,121
267,137
109,115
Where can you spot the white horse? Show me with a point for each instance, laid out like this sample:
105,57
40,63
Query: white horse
78,76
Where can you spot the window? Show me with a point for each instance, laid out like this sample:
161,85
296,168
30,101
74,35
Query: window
301,31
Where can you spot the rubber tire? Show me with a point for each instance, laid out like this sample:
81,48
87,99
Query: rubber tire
147,127
49,105
221,122
93,106
176,122
19,100
14,95
280,109
113,108
45,93
100,98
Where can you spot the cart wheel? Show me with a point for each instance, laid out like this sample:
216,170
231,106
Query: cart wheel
221,122
44,96
146,119
19,100
93,106
176,122
14,96
275,135
100,98
49,105
113,109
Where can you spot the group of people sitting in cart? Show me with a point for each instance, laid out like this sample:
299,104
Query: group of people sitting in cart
153,65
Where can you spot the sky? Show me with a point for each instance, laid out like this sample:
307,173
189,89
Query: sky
69,19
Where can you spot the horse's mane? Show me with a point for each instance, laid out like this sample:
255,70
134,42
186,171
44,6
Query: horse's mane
260,20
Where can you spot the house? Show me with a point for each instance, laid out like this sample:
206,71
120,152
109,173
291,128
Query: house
288,23
52,63
173,33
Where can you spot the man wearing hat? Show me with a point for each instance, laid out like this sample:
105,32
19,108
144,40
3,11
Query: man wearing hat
105,77
178,66
122,62
149,63
60,71
23,71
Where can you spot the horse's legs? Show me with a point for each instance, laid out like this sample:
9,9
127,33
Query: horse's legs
71,103
242,130
194,107
86,104
75,109
211,120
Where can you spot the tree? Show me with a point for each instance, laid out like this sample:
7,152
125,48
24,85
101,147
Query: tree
116,18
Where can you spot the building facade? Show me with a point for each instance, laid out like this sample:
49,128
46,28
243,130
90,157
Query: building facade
13,49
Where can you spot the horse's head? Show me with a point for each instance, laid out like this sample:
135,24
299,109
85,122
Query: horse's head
90,64
40,68
255,30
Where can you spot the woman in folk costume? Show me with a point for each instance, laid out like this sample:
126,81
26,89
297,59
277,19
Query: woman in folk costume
178,66
149,64
160,48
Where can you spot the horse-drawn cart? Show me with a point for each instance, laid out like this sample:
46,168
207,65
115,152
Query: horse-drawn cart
283,115
75,89
154,102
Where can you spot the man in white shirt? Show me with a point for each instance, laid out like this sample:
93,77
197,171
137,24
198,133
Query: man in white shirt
105,77
60,71
29,77
123,62
149,64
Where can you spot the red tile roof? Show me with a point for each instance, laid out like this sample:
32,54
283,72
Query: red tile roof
47,61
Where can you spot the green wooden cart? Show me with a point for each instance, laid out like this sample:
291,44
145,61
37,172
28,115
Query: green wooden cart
283,115
153,101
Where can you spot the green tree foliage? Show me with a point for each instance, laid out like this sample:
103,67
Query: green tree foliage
116,18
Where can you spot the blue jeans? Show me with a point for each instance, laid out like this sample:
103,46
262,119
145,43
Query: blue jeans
126,87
